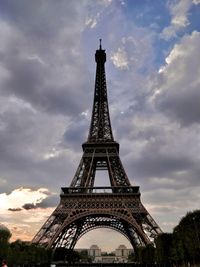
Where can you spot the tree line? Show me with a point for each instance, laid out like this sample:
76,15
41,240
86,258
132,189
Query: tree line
179,248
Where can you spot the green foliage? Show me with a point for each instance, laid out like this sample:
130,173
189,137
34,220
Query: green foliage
163,247
144,255
182,247
111,254
59,254
187,236
138,254
66,255
149,254
131,257
84,257
5,235
26,253
178,255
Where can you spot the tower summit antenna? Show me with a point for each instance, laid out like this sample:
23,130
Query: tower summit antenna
100,48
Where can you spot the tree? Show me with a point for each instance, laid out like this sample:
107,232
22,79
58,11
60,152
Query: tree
131,257
148,254
21,253
188,233
163,248
84,257
144,255
5,235
68,255
138,254
178,253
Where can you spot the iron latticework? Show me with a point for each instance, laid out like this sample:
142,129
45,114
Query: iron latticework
84,207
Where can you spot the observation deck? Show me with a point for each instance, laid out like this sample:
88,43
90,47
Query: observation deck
124,190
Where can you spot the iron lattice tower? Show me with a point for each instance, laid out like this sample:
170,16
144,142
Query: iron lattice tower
84,207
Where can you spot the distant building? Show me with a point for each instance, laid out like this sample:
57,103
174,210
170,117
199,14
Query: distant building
122,253
119,255
94,251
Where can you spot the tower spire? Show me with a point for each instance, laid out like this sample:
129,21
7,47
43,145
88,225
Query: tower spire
100,127
100,48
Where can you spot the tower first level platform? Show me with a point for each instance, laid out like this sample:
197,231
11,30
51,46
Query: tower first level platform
83,209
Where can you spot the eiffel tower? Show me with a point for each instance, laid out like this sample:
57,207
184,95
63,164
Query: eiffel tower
84,207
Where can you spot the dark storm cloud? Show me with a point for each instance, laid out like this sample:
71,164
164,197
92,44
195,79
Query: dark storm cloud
42,85
35,82
37,71
170,195
52,173
38,18
48,202
29,80
29,206
12,138
178,83
157,164
76,133
16,209
153,152
183,108
25,137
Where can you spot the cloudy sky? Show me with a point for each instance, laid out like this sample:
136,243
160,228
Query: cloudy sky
47,73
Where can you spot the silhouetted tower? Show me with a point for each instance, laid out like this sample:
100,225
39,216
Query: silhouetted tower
84,207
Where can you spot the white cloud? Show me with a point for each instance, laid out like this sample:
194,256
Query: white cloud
24,223
179,13
91,22
18,197
179,18
196,2
106,2
134,51
120,59
95,11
